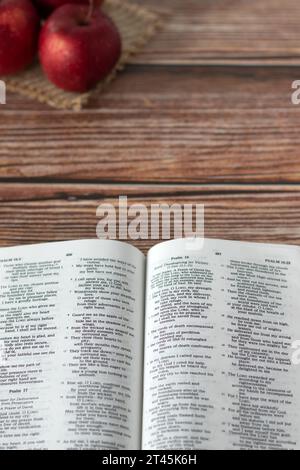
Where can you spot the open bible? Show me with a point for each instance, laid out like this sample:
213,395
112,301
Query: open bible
104,348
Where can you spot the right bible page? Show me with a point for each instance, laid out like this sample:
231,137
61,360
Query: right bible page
220,324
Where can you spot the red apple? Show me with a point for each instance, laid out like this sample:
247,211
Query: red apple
19,28
45,7
77,49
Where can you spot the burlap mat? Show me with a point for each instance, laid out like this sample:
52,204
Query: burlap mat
136,25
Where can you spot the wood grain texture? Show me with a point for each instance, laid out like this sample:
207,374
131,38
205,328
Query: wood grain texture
256,214
226,32
203,115
162,124
14,192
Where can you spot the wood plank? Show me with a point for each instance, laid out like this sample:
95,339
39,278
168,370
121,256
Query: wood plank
14,192
163,124
262,216
225,32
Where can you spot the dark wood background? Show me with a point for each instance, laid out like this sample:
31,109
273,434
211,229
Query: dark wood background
202,115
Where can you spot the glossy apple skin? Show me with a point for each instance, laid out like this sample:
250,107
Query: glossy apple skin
75,55
46,7
19,29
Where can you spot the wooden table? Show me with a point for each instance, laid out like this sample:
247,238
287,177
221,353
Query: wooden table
203,115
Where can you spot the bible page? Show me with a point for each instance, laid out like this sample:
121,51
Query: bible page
71,346
220,324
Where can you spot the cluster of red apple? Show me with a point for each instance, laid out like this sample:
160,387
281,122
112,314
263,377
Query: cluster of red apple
77,44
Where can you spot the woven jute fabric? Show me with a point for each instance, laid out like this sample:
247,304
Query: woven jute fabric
136,25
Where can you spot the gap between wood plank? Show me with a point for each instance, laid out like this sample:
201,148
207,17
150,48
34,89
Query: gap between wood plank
34,192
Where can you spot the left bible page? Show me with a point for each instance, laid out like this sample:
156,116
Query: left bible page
71,346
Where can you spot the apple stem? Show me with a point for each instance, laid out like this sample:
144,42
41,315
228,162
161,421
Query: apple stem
90,11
